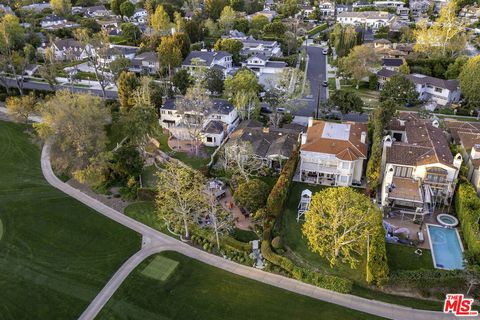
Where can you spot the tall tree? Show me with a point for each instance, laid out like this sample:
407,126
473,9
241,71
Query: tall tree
222,221
243,91
21,108
77,122
455,69
48,70
338,223
12,39
232,46
180,196
170,54
400,90
61,7
160,21
470,81
258,22
343,38
238,157
179,22
127,84
213,8
115,6
359,63
346,101
214,81
182,81
289,8
195,106
446,36
131,32
98,49
227,18
127,9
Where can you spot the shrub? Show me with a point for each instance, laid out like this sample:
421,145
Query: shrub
424,279
377,266
277,243
467,207
251,195
278,195
317,29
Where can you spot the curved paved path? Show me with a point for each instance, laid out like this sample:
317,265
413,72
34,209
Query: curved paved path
155,241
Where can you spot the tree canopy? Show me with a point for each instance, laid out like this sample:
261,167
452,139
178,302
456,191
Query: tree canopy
251,195
470,80
400,90
359,63
338,223
242,90
346,101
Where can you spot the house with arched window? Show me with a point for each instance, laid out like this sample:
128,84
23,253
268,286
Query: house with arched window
418,168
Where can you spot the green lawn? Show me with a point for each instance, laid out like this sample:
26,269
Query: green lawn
400,257
55,254
199,291
369,97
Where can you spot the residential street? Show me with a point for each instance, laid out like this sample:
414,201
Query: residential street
155,241
316,74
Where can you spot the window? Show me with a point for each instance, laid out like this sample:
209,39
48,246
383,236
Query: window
429,86
345,165
209,139
404,172
343,179
438,89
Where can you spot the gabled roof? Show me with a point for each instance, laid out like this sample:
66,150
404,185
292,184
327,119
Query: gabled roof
392,62
207,56
417,78
147,56
425,144
342,140
459,126
469,140
63,44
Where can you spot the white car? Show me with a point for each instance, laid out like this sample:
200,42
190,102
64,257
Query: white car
325,51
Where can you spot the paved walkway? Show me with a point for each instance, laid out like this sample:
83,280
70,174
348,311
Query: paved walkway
155,241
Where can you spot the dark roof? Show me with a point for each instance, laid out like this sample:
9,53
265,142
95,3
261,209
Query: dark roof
52,18
147,56
220,106
214,127
386,73
455,127
207,56
63,44
123,50
451,85
266,141
392,62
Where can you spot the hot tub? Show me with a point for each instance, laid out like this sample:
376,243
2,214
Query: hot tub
447,220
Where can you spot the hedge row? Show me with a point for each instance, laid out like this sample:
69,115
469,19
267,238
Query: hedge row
425,279
467,207
277,197
275,203
317,29
377,264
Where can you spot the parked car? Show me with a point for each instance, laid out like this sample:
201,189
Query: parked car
325,83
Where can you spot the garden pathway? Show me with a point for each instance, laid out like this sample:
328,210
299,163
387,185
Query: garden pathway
155,241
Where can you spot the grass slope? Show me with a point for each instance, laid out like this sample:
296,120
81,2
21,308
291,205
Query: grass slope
199,291
55,254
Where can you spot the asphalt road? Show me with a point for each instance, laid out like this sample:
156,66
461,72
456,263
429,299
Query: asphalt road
316,74
46,87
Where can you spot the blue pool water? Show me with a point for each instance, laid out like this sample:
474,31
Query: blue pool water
447,250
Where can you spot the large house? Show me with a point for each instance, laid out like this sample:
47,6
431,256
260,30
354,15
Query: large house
327,8
260,64
418,168
52,20
371,19
438,90
267,48
272,145
333,153
221,60
68,49
467,135
146,62
115,51
220,121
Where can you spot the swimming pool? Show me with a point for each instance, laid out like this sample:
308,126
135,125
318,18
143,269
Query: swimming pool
447,249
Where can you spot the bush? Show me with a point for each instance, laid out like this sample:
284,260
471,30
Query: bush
377,265
467,207
277,243
251,194
425,279
317,29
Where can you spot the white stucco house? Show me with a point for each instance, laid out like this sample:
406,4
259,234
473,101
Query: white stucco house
252,46
438,90
333,153
418,169
220,121
261,65
221,60
371,19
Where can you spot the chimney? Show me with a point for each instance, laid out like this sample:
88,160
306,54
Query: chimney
304,138
475,153
363,137
266,130
310,122
457,161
